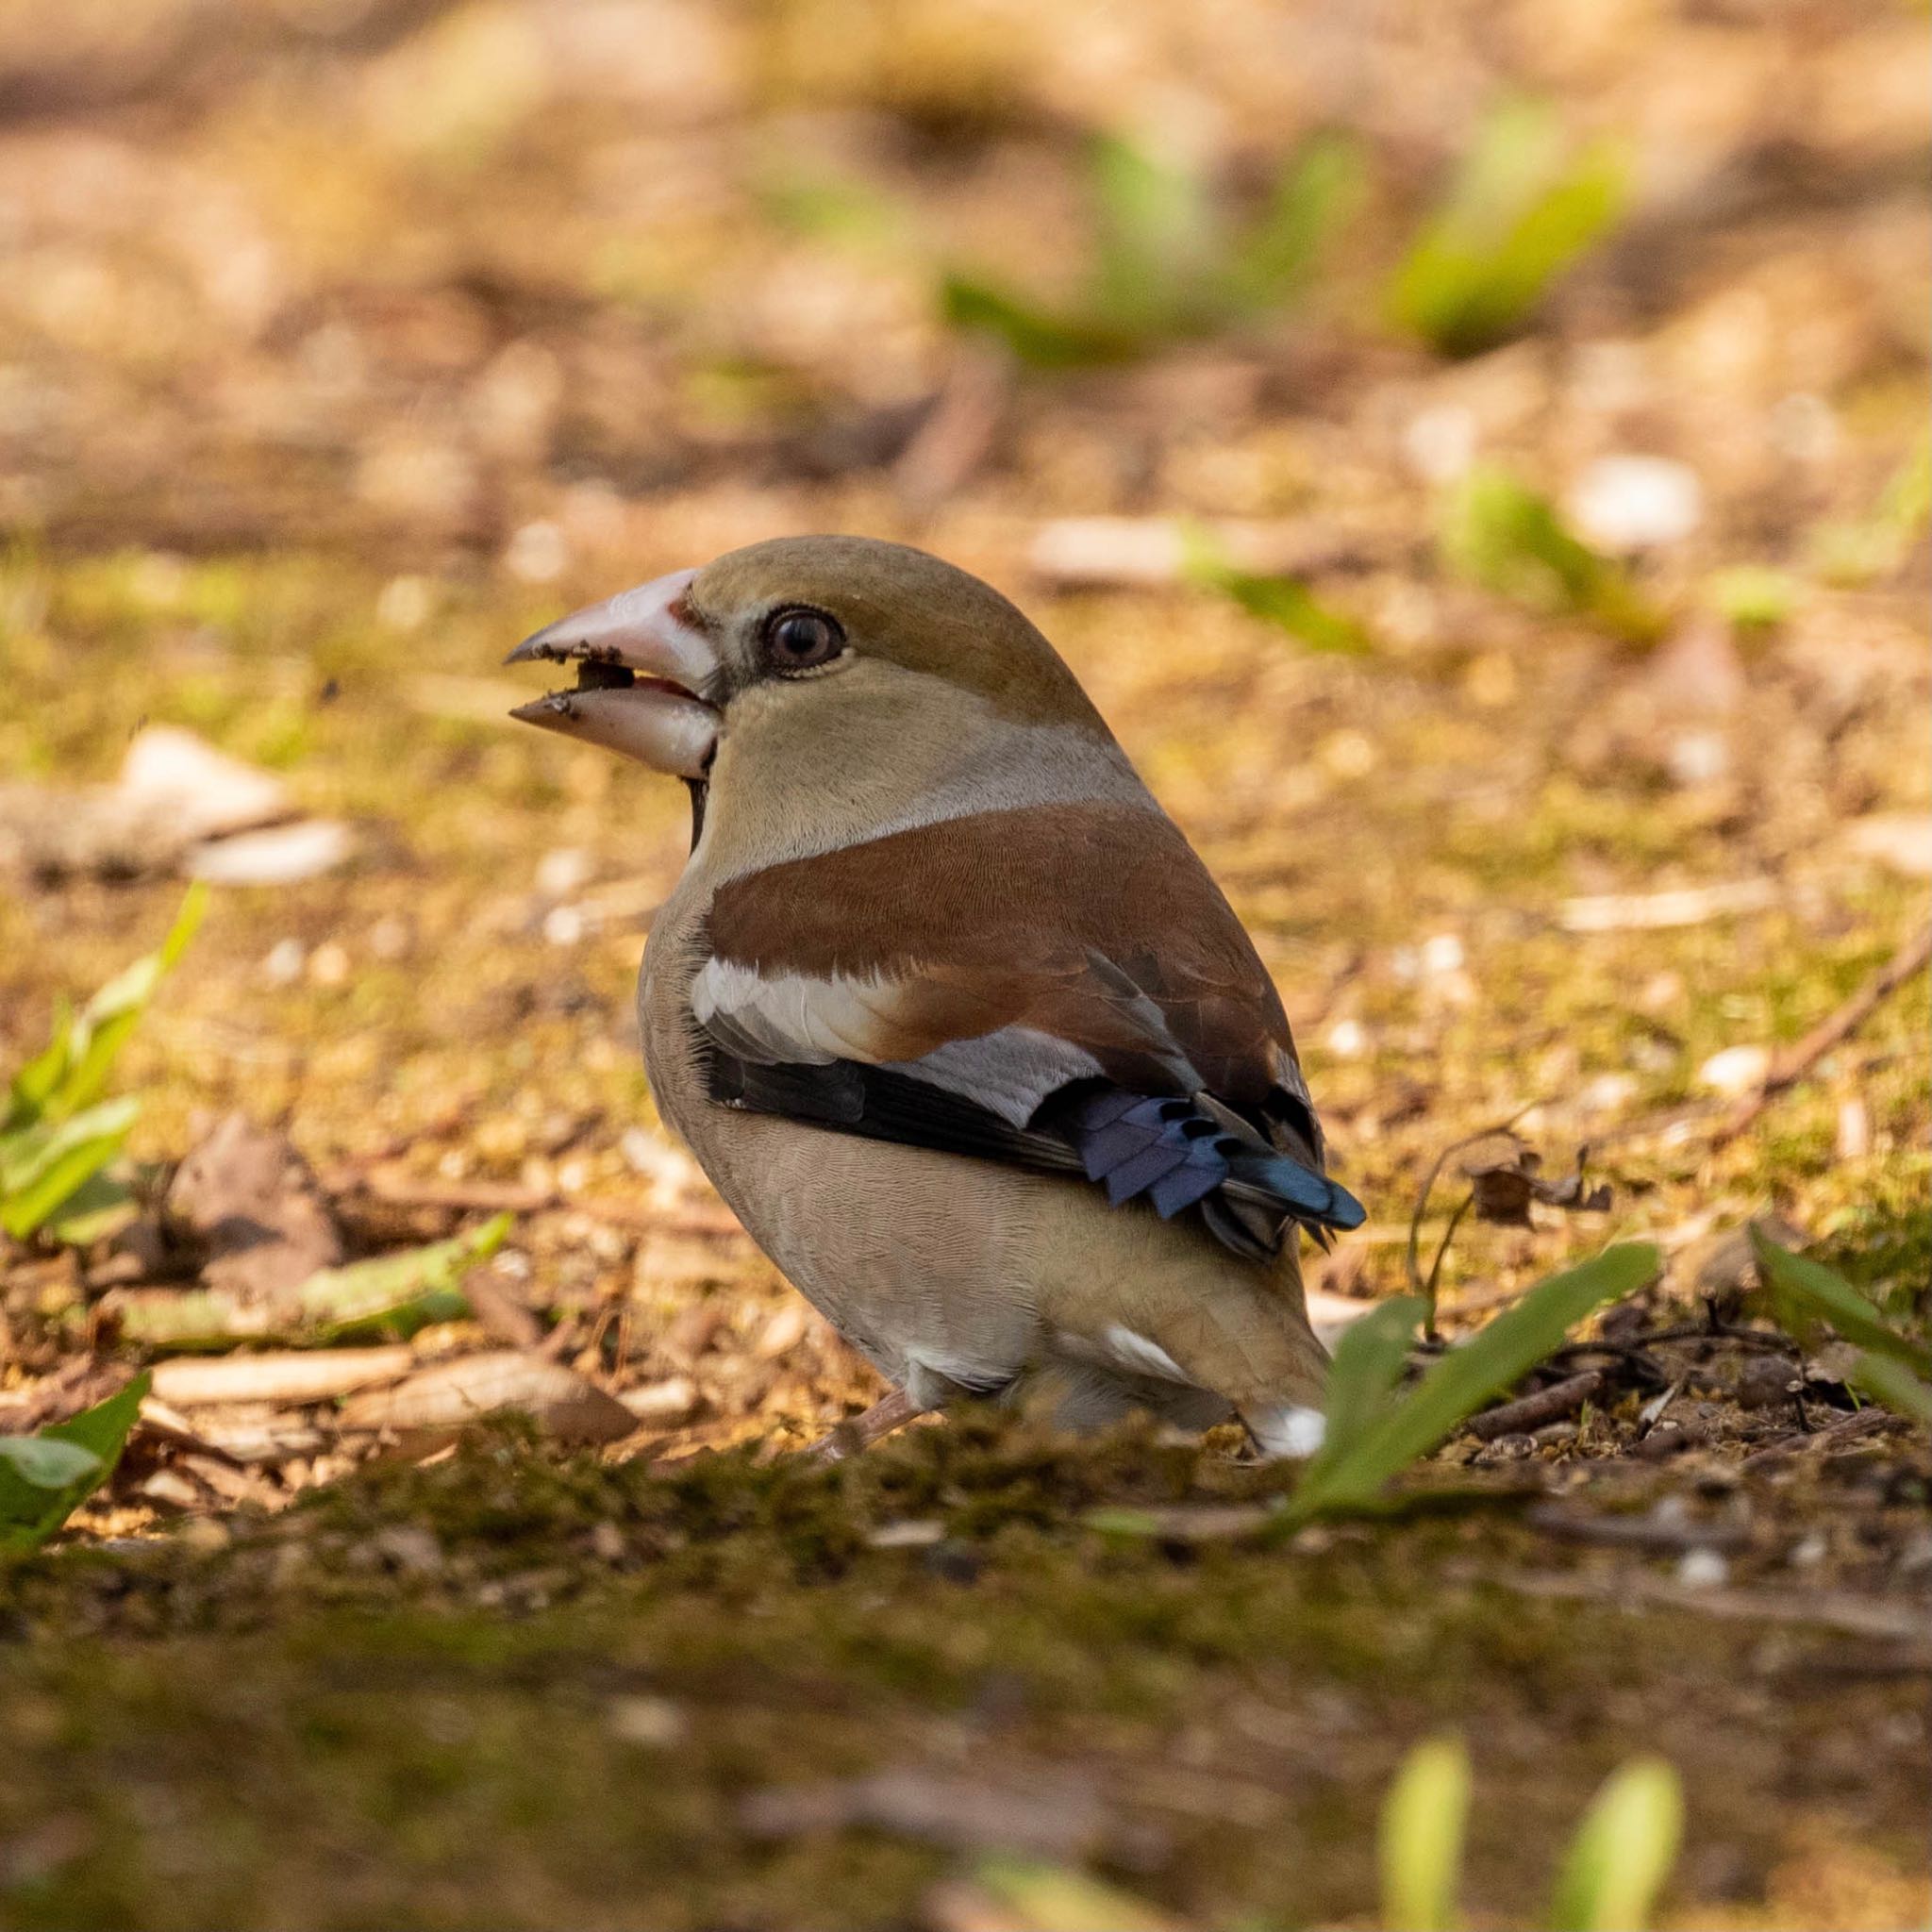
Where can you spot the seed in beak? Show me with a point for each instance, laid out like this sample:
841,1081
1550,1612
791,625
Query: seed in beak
592,676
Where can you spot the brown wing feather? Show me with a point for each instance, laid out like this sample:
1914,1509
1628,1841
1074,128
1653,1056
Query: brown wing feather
1009,918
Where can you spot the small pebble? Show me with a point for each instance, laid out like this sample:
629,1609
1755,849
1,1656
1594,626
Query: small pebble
655,1723
1636,502
1702,1570
1735,1071
283,966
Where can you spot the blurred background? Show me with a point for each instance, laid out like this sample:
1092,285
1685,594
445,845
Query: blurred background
1474,452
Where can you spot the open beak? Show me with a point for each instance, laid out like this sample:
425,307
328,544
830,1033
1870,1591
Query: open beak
642,664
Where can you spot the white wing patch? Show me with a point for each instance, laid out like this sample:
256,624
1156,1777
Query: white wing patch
1121,1347
790,1016
798,1018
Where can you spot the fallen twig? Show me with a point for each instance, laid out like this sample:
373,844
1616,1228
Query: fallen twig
1659,911
1787,1068
1426,1290
1890,1622
1528,1412
513,1197
1851,1428
294,1376
1650,1531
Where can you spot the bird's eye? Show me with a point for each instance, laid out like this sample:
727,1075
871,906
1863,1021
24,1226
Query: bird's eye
800,639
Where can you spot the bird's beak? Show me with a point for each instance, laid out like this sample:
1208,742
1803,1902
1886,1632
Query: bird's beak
642,666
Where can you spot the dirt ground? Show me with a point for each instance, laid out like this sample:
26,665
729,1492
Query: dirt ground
341,345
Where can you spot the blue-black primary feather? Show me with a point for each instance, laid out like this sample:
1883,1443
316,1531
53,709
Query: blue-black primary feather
1173,1153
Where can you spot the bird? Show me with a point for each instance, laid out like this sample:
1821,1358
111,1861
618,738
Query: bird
946,1006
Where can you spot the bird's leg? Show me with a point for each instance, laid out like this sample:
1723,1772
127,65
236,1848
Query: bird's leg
860,1432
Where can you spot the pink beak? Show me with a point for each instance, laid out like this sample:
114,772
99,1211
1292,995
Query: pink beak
644,665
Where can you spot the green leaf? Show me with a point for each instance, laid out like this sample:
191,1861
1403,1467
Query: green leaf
1751,596
1516,218
1368,1360
1317,190
1853,552
1804,1293
386,1295
97,1209
113,1013
42,1463
45,1167
1154,232
1051,1898
1892,1386
1422,1822
1503,535
837,207
1461,1381
396,1295
26,1096
1622,1852
57,1134
1035,334
1285,601
103,1428
36,1497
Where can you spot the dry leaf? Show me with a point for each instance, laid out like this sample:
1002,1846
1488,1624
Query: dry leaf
1503,1173
251,1202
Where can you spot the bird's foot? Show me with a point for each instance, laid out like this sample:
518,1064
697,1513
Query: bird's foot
860,1432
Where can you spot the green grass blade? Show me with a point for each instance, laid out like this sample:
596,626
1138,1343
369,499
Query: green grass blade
113,1013
1622,1852
1318,186
1469,1375
1500,534
1037,336
1039,1897
1516,218
1367,1363
1153,233
1892,1386
1804,1293
1421,1843
1285,601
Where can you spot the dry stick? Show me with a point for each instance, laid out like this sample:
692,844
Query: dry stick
1879,1619
1787,1069
511,1197
1551,1405
1428,1289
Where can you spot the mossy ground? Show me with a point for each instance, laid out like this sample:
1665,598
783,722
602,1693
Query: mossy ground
320,1725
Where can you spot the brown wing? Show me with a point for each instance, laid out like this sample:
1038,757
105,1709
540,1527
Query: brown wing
1095,924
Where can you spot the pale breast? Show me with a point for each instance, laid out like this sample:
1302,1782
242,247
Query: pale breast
918,1258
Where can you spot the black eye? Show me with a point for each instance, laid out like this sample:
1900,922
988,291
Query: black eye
800,640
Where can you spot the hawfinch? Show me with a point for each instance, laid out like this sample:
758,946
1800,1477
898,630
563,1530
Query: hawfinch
944,1004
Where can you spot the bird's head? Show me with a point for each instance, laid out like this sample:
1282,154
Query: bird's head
838,680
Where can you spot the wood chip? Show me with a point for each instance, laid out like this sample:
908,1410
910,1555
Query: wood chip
289,1375
448,1394
1655,911
662,1403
